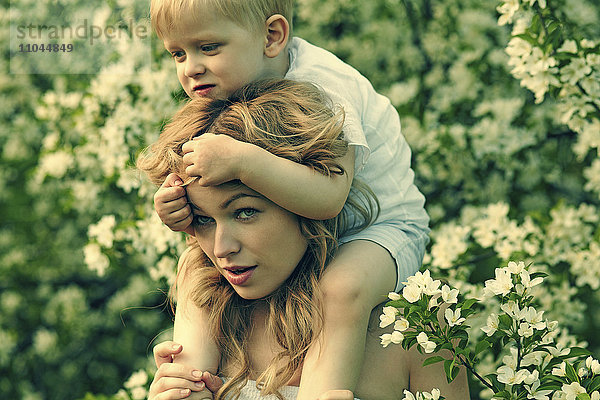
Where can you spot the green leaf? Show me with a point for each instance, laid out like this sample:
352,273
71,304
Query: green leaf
481,346
433,360
571,373
594,385
504,322
502,395
468,304
527,38
578,352
538,275
448,370
535,23
551,386
583,396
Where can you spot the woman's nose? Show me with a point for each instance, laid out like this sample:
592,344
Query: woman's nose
226,243
194,66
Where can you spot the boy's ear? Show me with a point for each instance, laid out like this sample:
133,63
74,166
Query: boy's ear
278,32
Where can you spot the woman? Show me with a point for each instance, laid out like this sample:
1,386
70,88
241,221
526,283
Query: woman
253,266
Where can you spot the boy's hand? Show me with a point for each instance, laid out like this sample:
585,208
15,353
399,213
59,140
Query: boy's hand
176,381
170,203
214,159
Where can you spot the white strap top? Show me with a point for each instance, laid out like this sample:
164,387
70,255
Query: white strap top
251,392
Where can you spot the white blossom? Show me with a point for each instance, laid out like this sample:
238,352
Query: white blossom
572,390
401,324
94,259
411,293
569,46
434,395
593,365
103,231
559,370
449,296
395,337
388,317
427,345
453,317
527,282
508,375
501,284
516,268
138,378
394,296
492,324
525,329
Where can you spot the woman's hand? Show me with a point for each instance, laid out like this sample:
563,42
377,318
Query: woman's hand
177,381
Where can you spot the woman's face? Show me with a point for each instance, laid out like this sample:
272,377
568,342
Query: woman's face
254,243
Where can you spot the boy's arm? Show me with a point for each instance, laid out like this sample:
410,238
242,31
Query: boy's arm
215,159
296,187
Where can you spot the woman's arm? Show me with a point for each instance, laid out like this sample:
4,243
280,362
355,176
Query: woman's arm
191,328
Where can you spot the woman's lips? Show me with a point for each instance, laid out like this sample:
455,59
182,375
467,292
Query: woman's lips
239,275
203,90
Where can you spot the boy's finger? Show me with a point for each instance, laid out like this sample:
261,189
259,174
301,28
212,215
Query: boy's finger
172,180
188,147
183,215
164,352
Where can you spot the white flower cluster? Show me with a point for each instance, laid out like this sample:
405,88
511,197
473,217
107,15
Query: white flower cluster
136,386
573,67
488,227
415,287
433,395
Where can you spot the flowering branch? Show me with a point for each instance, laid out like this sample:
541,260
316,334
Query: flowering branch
536,366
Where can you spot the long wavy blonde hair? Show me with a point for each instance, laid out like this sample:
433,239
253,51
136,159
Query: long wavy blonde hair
291,120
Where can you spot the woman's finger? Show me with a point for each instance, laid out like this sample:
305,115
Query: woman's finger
164,352
213,382
171,394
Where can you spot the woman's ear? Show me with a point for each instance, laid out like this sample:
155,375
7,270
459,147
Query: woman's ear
278,32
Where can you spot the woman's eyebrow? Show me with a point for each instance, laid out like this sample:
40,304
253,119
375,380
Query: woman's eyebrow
236,196
227,202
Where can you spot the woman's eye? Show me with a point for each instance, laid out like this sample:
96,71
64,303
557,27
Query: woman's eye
246,213
201,220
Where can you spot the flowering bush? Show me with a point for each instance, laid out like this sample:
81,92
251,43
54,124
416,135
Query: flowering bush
499,102
537,364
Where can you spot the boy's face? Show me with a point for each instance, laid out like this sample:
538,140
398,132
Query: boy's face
215,56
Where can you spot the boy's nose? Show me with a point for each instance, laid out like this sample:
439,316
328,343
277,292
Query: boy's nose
194,66
225,243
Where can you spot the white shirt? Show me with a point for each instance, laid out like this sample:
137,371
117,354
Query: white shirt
383,157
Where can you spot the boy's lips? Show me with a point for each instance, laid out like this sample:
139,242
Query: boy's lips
203,90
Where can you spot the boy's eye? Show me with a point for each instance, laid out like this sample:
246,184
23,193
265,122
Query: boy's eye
201,220
209,48
177,55
246,213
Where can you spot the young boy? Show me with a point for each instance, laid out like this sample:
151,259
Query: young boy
220,45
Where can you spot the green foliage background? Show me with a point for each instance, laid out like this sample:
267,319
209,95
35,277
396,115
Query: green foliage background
476,134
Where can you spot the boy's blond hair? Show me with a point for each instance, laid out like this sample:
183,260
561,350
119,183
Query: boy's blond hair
249,14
